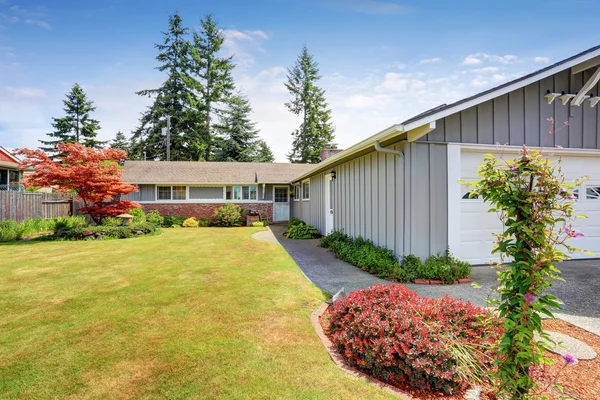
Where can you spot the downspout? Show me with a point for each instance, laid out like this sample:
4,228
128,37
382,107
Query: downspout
400,154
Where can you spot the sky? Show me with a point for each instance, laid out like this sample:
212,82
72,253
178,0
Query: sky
381,61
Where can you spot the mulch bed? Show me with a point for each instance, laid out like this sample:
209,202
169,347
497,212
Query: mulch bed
580,381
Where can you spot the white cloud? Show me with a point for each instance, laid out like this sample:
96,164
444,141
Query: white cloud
484,70
478,58
430,60
543,60
26,92
479,81
241,45
41,24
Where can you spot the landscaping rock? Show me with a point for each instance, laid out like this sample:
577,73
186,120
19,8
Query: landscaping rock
338,296
566,344
473,393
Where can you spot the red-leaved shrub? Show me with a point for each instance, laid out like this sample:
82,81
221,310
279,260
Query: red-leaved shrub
397,336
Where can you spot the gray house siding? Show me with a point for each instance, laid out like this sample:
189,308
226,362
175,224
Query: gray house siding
312,211
521,117
144,193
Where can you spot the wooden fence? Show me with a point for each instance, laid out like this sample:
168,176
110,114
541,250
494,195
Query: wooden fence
21,206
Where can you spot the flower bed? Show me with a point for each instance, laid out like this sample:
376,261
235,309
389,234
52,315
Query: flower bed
399,337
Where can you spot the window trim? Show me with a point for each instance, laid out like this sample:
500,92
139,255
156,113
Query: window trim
591,185
303,191
186,196
241,191
297,192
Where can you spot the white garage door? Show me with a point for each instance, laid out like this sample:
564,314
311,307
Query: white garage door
477,226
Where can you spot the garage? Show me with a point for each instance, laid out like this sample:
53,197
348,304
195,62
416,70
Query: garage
476,226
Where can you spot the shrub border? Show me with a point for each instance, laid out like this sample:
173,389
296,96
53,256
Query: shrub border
341,363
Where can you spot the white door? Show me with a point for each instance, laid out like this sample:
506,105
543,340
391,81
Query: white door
477,226
281,203
328,204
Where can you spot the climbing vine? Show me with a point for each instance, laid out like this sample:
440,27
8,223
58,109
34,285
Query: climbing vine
535,204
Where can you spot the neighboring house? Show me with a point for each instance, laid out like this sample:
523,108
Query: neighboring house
400,188
196,189
9,171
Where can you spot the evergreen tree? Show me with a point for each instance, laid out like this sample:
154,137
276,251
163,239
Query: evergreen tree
76,126
210,79
238,134
120,142
263,153
308,101
173,98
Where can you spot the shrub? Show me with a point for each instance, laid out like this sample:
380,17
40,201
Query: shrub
170,220
444,267
153,217
105,232
228,214
111,221
259,224
399,337
204,222
190,223
364,254
139,217
10,230
67,223
294,222
302,231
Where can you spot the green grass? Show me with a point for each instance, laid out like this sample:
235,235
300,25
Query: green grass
193,313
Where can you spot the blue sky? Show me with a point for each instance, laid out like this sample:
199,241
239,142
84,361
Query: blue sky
382,61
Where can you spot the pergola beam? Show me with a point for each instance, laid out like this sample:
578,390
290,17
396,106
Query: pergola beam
581,96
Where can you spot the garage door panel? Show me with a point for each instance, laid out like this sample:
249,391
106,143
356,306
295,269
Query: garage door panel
477,225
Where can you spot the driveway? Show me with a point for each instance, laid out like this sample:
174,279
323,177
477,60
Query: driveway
580,292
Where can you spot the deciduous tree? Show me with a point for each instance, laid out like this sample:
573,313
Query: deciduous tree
308,101
94,175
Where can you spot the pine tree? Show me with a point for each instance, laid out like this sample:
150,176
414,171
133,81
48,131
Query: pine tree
263,153
173,98
120,142
210,78
308,101
238,133
76,126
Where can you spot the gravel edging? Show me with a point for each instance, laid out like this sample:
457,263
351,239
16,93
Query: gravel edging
341,363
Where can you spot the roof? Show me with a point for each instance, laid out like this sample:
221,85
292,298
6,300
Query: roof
192,172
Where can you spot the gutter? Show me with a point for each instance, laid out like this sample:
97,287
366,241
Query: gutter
360,146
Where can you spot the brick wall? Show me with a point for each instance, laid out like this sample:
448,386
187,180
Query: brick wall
206,210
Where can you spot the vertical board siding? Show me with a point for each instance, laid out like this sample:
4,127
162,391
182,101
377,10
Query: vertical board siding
20,206
521,117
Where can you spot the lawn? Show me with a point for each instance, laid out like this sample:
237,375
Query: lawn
192,313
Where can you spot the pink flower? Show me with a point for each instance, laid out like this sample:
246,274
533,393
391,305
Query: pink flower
529,297
569,359
573,233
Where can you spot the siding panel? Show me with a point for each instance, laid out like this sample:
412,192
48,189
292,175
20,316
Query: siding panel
532,110
517,118
453,128
485,123
501,122
546,111
561,113
468,123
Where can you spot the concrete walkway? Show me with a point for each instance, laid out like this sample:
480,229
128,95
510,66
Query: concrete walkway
580,291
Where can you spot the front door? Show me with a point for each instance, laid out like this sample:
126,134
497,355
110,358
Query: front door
328,204
281,205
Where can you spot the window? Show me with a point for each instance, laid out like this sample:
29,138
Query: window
592,193
297,191
468,196
245,193
171,193
306,190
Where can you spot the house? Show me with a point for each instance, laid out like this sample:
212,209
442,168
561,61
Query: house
196,189
400,187
9,171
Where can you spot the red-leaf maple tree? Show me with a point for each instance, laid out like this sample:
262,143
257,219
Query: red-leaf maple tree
94,175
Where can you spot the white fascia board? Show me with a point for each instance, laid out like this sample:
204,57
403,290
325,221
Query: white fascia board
9,154
207,184
550,151
501,91
383,135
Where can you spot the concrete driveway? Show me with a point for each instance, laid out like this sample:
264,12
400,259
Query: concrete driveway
580,292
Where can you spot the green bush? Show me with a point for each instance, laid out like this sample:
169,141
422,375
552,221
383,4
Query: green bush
204,222
170,220
260,224
153,217
139,217
110,221
228,214
10,230
105,232
190,223
382,262
302,231
295,221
